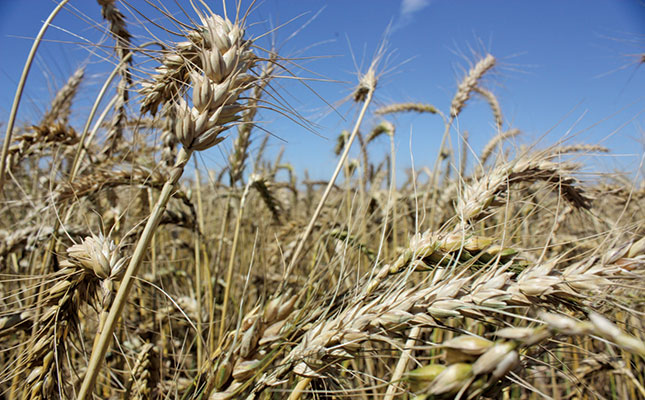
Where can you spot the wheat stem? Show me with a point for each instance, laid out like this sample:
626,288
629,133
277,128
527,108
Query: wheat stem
402,365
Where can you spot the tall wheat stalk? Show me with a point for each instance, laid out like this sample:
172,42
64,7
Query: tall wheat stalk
225,59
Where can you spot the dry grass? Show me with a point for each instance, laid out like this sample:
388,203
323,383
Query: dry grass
514,279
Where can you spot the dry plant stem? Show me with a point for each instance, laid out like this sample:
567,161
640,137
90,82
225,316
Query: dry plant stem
21,86
348,192
402,365
463,161
198,265
330,185
198,294
211,331
99,121
395,241
231,261
435,170
299,389
105,335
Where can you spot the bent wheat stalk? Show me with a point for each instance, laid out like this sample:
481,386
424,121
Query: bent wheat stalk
21,86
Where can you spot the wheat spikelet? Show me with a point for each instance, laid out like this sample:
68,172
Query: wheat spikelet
90,270
366,84
118,27
170,78
40,364
169,144
243,352
494,105
391,309
406,107
341,140
469,83
220,51
216,90
384,127
264,188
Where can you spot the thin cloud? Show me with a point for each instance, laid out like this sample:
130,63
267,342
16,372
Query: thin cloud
411,6
408,9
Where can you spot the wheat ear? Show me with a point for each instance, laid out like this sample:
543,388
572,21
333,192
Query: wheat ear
494,105
469,84
122,36
481,194
406,107
60,106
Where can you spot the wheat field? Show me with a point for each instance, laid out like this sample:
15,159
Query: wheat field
502,275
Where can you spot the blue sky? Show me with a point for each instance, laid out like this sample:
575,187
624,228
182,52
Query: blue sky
565,68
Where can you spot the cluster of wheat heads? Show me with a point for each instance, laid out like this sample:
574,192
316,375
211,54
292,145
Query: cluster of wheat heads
503,276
